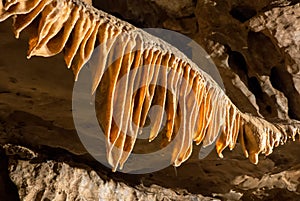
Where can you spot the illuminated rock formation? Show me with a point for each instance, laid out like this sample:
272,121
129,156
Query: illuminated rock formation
76,28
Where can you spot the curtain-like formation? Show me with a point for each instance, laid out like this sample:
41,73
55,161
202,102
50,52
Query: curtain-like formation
136,71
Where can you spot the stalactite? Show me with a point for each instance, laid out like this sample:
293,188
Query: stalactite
196,107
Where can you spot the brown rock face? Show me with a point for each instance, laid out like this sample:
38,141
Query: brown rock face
254,44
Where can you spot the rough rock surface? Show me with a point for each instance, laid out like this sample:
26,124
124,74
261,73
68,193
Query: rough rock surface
255,45
60,181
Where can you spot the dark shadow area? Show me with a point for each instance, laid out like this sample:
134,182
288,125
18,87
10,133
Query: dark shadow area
283,81
275,79
8,190
242,13
238,64
255,87
262,99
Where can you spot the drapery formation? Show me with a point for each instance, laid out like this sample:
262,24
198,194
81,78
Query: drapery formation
196,107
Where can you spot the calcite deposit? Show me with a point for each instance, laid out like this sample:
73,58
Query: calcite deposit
255,46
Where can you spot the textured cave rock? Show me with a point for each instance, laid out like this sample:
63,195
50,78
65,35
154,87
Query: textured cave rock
255,45
54,180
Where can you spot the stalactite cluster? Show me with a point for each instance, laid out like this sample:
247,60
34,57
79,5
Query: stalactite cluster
197,109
